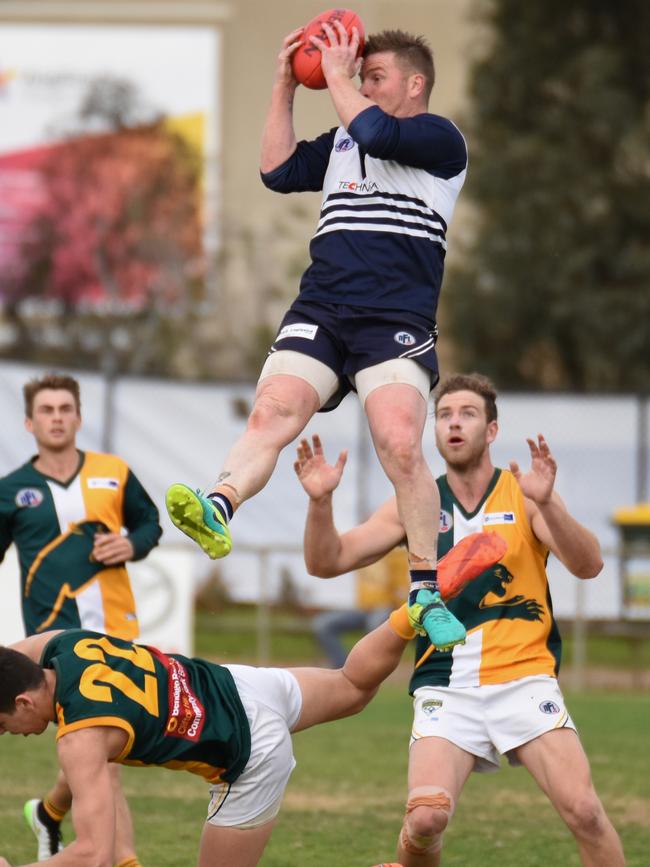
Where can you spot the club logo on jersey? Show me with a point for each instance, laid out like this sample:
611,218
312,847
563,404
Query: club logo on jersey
446,521
491,597
549,707
499,518
105,484
298,329
345,144
431,705
29,498
404,338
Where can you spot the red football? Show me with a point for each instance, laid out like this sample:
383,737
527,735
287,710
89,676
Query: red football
305,60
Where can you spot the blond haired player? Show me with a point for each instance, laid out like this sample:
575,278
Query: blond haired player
497,694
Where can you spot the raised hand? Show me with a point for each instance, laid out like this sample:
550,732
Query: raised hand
317,477
537,484
290,43
341,52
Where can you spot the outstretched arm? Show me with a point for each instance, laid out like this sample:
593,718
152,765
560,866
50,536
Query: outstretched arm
328,553
571,542
278,136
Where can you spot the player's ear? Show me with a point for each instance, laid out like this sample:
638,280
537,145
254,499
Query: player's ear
492,431
23,701
416,84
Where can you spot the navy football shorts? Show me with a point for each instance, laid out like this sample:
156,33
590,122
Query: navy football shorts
348,339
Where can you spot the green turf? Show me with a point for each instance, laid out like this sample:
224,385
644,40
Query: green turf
229,634
345,801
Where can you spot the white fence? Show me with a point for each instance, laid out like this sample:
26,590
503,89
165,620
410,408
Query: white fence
171,431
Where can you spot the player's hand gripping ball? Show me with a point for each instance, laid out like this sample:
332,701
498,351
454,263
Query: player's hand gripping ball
305,61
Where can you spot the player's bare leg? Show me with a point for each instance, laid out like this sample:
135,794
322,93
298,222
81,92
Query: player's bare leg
233,847
283,406
45,817
560,767
326,695
396,415
438,770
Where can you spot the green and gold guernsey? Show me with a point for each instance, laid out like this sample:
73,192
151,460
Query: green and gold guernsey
53,524
178,713
507,611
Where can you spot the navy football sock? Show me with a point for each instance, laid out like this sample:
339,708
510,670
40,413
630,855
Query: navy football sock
422,579
222,505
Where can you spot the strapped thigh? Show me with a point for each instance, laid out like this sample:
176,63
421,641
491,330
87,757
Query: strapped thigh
395,370
287,361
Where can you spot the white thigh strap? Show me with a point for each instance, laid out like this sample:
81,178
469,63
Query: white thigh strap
290,363
395,370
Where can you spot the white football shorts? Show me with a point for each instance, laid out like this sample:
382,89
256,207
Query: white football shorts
272,700
491,720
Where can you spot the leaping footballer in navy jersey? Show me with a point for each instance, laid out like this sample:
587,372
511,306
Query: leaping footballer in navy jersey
365,315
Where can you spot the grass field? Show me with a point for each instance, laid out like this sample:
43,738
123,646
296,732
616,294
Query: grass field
229,636
344,804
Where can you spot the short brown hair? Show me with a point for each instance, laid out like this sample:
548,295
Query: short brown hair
18,674
56,381
475,382
413,51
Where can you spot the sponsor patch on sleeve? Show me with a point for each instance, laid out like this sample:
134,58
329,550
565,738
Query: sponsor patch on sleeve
29,498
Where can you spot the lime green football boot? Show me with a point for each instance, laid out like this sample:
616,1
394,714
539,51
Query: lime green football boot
429,616
197,517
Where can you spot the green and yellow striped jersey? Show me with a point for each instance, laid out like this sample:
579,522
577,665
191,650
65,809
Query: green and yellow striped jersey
53,524
507,610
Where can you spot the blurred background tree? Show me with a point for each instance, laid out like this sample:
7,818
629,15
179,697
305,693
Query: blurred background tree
552,285
111,268
112,272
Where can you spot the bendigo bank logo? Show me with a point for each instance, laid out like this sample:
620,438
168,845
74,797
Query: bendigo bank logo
186,713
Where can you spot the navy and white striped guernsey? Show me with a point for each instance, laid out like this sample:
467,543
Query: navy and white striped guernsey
389,190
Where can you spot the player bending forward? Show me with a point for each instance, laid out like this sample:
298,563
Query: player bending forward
115,701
